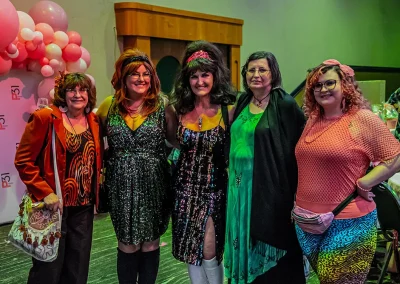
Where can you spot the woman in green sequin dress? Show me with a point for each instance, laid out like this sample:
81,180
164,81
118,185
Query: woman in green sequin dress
261,244
136,122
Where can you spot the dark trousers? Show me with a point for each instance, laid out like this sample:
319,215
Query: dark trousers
72,263
289,269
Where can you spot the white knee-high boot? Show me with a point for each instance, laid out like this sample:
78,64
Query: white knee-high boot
214,272
197,274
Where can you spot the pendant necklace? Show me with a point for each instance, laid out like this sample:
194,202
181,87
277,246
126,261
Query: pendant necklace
259,102
71,123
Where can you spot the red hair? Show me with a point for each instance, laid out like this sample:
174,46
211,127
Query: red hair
352,94
129,61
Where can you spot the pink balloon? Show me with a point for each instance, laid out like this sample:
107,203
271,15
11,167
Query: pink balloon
44,87
5,65
38,37
74,37
85,56
50,13
44,61
23,54
61,39
47,71
34,66
9,25
39,52
30,46
72,52
62,66
91,79
47,32
12,48
55,64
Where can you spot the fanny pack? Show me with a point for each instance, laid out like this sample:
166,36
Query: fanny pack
318,223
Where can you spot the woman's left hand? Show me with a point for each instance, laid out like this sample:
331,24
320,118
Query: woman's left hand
367,195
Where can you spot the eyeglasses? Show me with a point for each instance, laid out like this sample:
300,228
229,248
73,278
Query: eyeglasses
261,71
329,85
136,76
75,91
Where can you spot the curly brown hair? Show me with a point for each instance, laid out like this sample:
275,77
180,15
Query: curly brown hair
128,62
71,81
353,97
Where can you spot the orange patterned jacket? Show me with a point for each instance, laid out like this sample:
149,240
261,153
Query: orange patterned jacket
34,157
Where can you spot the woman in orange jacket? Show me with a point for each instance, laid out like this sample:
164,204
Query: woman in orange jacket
78,153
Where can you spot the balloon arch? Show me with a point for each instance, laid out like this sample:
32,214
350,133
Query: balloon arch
39,41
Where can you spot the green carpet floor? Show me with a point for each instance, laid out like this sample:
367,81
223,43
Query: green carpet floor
14,265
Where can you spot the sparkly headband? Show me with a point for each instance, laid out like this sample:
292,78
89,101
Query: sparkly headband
135,58
345,68
199,54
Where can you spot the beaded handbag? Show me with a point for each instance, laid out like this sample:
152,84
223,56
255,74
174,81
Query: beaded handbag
37,230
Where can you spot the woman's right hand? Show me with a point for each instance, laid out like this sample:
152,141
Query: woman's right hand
367,195
53,203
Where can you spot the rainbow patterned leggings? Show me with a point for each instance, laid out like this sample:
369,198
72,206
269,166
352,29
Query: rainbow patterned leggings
343,254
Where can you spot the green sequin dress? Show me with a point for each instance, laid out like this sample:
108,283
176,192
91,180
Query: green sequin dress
244,258
138,177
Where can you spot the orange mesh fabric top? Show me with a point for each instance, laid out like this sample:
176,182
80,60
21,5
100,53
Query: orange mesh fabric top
333,153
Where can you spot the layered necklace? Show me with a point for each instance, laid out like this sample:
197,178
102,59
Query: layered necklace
259,102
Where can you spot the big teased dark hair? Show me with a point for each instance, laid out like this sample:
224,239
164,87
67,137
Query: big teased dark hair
222,91
273,66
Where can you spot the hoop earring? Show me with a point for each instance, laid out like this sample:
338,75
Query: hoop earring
87,109
63,109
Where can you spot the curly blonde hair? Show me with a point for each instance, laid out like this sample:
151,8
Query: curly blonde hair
128,62
353,97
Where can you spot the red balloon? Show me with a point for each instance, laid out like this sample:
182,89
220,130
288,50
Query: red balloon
5,64
23,54
30,46
44,61
72,52
19,65
74,37
39,52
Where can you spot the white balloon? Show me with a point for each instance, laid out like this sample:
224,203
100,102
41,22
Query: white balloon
15,55
53,51
51,94
27,34
77,66
61,39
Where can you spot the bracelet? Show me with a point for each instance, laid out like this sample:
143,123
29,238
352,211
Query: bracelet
363,189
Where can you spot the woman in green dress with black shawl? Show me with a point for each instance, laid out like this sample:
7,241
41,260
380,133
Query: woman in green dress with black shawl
261,244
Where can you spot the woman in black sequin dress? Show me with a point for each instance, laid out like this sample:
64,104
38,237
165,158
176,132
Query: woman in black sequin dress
202,93
136,122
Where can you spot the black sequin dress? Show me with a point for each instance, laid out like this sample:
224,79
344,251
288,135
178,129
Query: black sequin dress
137,177
200,185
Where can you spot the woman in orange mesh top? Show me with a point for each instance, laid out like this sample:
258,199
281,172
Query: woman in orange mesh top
341,138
